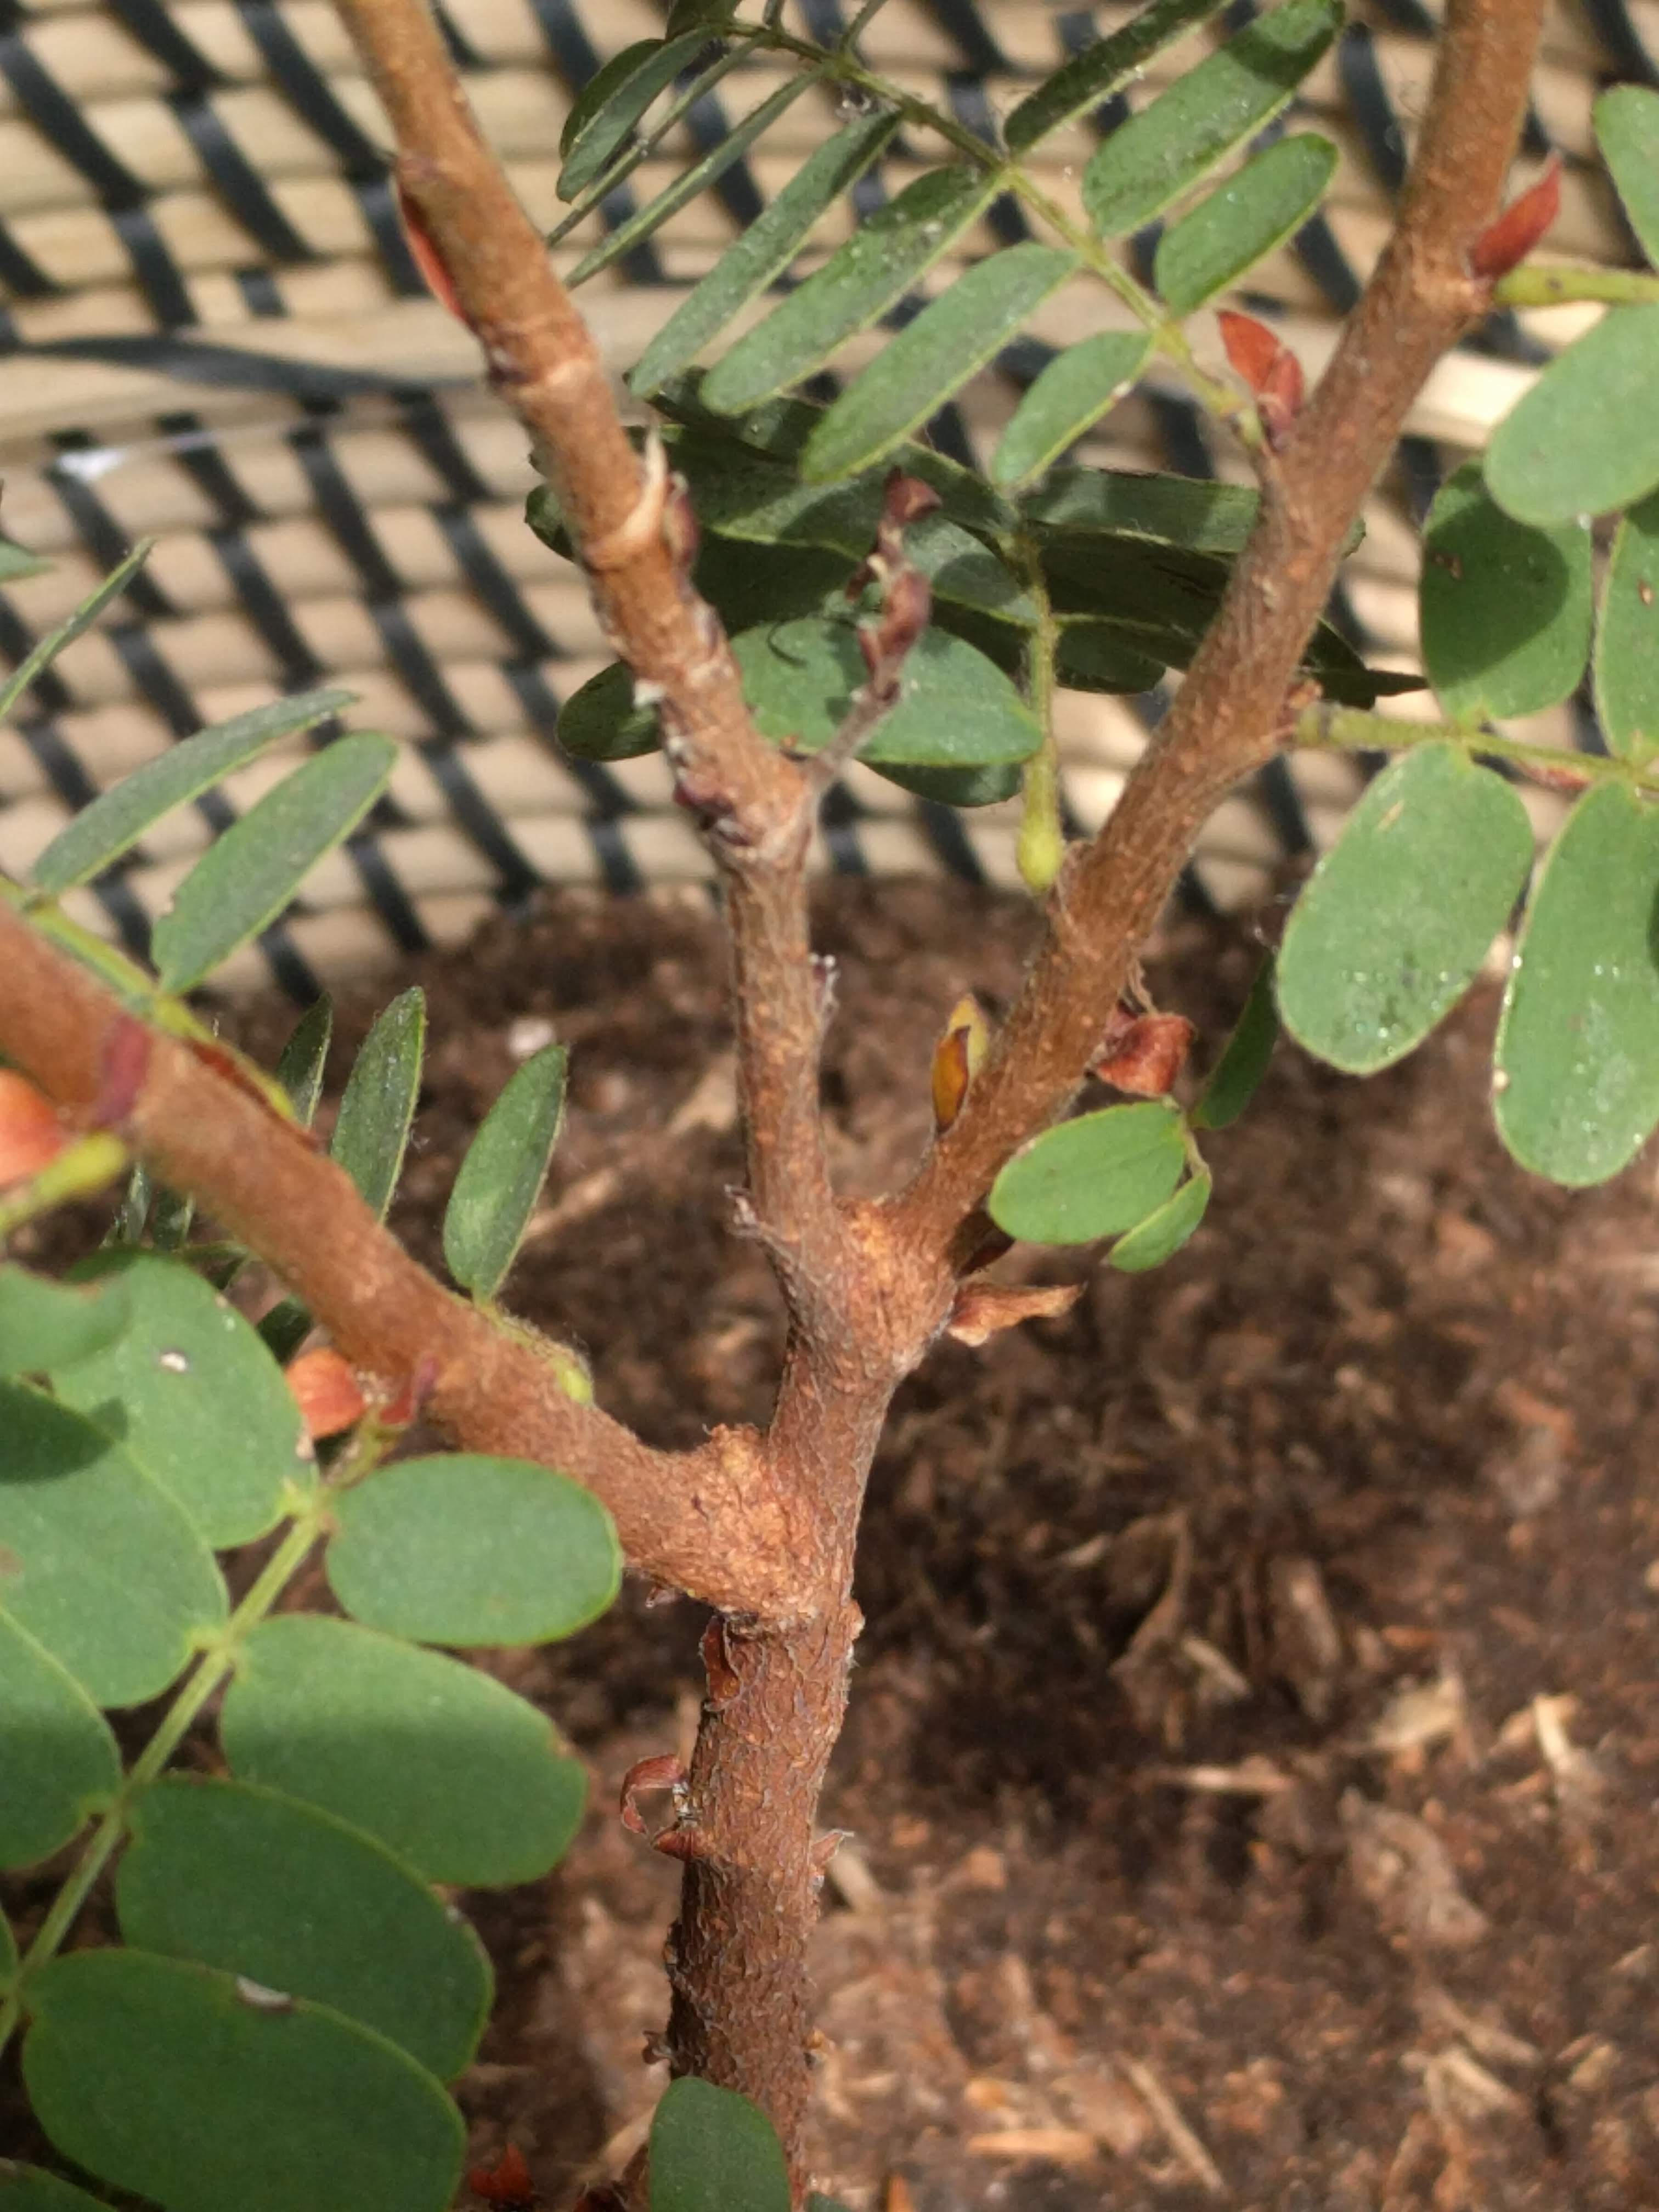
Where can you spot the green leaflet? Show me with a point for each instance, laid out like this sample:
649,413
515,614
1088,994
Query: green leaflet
691,182
194,1397
30,2189
762,251
1576,1061
1071,395
1627,121
372,1131
247,876
213,2091
613,102
1098,1175
1627,639
1101,70
932,358
303,1058
258,1884
1237,1074
1391,929
469,1551
1162,1233
96,1561
858,284
1167,148
1585,439
42,654
503,1173
1242,220
452,1772
600,721
741,494
713,2151
114,822
956,709
46,1325
1505,609
60,1764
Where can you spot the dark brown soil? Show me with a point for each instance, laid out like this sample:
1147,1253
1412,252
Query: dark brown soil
1254,1763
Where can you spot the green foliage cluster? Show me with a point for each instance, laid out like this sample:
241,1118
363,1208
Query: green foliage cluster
290,1990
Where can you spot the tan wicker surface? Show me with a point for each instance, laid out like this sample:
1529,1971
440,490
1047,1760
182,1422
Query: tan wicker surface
214,337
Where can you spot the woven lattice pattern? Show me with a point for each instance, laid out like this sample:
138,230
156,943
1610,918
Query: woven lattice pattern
214,335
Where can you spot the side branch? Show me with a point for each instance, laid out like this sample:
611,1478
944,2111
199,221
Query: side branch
1230,713
707,1521
636,538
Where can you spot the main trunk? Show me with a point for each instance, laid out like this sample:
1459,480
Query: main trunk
741,2015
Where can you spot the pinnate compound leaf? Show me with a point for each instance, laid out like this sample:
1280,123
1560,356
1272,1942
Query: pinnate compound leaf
1626,122
1242,220
258,1884
956,709
859,282
192,1393
1099,657
1167,148
1190,514
1101,70
932,358
469,1551
1627,639
1577,1053
762,251
1505,609
1098,1175
117,819
300,1068
782,427
693,182
30,2189
46,1325
246,877
42,654
713,2151
503,1173
1585,439
456,1775
1162,1233
96,1561
214,2092
743,495
60,1764
1068,397
1237,1074
1398,916
377,1105
612,102
600,722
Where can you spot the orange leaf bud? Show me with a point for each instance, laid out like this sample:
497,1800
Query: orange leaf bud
326,1392
31,1134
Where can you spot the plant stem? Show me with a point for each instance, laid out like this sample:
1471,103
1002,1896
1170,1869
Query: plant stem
83,1168
1041,847
217,1663
1353,730
1532,286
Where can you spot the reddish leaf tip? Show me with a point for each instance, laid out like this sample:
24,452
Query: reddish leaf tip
1506,242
